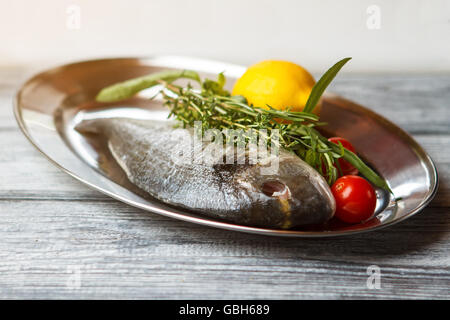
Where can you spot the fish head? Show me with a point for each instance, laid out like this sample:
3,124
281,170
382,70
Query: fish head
293,195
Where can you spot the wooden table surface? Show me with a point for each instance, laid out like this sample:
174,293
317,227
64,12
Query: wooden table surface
60,239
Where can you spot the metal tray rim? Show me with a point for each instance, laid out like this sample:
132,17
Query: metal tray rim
211,222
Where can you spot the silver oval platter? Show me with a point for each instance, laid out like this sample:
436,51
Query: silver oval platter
49,105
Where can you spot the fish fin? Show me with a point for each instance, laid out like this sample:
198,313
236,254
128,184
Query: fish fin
89,126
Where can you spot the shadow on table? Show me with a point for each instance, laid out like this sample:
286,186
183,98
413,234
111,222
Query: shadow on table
412,236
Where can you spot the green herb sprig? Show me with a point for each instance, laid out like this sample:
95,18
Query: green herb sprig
216,108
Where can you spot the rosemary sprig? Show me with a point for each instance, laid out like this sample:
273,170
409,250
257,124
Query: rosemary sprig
215,108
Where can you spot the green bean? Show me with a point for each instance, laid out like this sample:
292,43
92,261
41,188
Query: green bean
129,88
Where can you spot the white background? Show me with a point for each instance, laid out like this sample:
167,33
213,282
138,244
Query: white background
414,35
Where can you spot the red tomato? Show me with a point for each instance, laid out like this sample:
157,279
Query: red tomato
355,199
346,167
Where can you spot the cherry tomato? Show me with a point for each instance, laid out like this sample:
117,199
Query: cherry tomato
346,167
355,199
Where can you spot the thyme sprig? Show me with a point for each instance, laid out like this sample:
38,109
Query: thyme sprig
215,108
214,111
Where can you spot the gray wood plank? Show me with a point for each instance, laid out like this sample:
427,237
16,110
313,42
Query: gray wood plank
55,231
23,168
417,103
122,252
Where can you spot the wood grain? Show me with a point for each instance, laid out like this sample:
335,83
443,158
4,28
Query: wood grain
60,239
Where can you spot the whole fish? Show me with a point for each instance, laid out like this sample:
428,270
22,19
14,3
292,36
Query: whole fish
292,196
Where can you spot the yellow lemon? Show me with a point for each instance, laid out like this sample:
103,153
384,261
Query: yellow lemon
279,84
